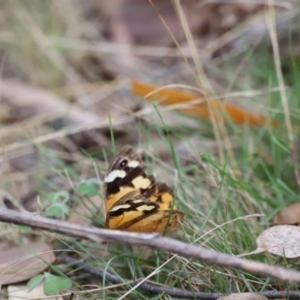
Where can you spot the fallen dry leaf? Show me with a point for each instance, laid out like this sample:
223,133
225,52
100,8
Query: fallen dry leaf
204,109
289,215
243,296
21,263
282,240
17,292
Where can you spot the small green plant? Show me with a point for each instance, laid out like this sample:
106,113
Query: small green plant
89,188
59,205
52,284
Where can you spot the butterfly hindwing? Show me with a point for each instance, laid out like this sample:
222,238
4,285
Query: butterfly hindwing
135,201
130,209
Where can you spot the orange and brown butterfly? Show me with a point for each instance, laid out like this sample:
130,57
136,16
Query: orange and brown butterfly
134,200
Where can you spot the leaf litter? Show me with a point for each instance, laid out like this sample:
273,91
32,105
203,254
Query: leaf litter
243,296
17,292
21,263
281,240
33,118
289,215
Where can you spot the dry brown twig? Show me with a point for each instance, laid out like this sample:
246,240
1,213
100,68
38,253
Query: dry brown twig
174,292
150,240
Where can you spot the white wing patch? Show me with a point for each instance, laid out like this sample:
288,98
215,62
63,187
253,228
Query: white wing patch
133,164
115,174
145,207
120,207
138,201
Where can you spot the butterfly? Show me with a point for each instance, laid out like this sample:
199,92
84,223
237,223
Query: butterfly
134,200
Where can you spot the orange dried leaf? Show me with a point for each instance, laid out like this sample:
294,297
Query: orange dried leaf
204,109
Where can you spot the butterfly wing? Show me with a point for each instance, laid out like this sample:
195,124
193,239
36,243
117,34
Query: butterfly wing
135,201
135,213
162,221
125,174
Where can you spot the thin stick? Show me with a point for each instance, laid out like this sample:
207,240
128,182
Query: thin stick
152,240
174,292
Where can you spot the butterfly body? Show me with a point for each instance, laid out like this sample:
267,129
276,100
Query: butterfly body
135,201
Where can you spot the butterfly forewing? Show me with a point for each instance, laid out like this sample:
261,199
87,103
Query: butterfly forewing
125,174
135,201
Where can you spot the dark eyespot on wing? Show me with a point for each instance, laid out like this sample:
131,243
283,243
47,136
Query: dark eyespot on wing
126,153
123,163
